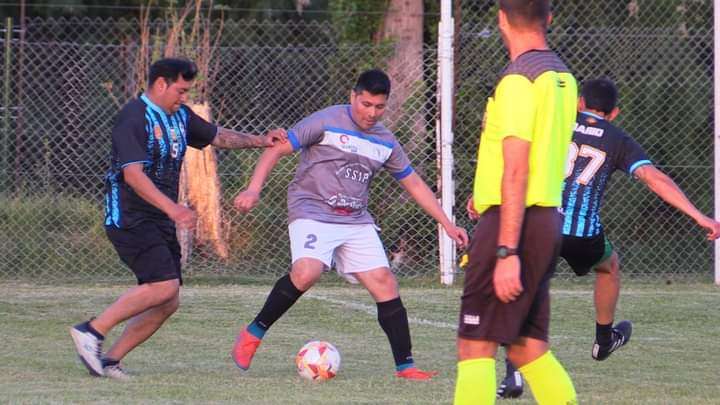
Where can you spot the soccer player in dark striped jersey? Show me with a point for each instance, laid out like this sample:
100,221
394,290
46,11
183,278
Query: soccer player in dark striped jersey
598,149
149,140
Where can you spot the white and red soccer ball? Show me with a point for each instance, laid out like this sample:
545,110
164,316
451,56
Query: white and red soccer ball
318,361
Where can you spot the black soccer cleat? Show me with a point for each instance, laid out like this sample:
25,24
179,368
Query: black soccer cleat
621,333
511,386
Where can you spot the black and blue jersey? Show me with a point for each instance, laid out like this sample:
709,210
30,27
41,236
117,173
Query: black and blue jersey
598,149
145,133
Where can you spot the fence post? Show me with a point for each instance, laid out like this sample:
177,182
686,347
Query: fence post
716,167
6,103
447,185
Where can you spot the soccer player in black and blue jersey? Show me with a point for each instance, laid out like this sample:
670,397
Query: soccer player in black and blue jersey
149,140
599,149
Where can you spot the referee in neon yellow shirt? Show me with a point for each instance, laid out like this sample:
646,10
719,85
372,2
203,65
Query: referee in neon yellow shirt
517,194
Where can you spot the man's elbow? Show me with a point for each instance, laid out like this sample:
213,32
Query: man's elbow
516,173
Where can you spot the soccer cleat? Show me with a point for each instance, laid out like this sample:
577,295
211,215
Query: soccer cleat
414,373
621,333
511,386
116,372
88,347
244,349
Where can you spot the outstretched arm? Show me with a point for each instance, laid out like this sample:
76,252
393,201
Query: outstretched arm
421,193
229,139
665,188
247,199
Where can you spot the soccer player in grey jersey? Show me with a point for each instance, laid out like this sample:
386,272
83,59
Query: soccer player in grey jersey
342,148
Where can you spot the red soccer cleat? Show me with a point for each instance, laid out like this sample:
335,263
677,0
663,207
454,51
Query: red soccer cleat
414,373
244,349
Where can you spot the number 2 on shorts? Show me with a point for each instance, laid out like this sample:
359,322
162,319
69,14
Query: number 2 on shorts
311,239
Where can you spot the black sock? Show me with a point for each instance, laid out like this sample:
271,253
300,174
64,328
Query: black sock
107,361
281,298
393,319
94,331
509,368
603,333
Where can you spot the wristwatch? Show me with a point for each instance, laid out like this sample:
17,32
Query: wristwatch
504,251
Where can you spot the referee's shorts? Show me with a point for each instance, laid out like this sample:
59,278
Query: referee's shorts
482,315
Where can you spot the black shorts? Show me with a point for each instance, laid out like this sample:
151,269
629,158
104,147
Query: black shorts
482,315
150,249
583,254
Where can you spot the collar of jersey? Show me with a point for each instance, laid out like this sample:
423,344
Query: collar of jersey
592,115
152,105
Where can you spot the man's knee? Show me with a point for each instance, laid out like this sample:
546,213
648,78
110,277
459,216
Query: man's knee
305,273
171,306
164,292
475,349
610,266
381,283
525,350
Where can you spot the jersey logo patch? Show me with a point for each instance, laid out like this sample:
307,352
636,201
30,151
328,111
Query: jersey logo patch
157,131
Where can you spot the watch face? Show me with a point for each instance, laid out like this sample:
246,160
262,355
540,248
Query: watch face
502,252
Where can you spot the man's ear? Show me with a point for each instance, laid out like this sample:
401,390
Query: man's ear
581,103
503,22
613,114
161,84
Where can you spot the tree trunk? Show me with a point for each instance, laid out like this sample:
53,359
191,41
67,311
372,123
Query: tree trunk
403,25
200,189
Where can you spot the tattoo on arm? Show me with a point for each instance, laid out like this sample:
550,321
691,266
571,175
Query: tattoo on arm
229,139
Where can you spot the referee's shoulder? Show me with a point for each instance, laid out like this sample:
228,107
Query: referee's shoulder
532,64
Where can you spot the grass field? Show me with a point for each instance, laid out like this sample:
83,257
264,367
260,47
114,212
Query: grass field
673,357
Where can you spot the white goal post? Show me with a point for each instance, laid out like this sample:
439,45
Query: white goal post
445,137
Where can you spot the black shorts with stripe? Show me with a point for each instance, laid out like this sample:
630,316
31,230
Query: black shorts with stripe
482,315
583,254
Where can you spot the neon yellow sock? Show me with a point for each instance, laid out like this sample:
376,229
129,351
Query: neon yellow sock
475,382
549,382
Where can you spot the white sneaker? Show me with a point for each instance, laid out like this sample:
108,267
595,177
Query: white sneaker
88,347
116,372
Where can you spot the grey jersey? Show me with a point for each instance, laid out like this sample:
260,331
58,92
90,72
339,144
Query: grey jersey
337,164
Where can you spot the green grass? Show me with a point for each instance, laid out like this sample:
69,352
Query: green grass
672,357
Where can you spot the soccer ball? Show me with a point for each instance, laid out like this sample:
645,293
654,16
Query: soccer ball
318,361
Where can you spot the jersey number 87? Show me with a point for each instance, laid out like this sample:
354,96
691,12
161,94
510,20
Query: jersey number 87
597,158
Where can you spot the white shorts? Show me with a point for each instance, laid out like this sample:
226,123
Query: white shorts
351,248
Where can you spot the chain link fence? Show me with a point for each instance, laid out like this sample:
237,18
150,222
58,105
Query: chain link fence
66,81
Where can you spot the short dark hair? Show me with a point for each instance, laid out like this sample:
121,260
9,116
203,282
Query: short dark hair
172,68
526,13
600,95
374,81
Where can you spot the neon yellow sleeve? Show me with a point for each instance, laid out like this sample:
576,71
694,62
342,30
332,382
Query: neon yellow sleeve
516,106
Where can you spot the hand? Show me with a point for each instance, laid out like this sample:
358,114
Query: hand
712,226
506,279
277,135
470,207
246,200
459,235
184,217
